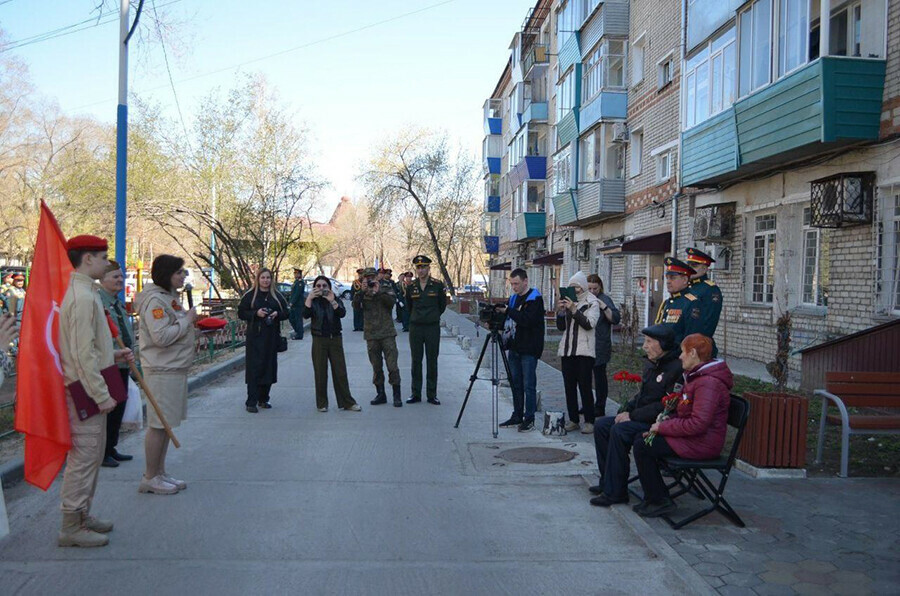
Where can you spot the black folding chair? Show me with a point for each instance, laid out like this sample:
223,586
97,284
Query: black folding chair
690,475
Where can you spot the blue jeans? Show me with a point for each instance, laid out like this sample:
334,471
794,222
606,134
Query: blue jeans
523,381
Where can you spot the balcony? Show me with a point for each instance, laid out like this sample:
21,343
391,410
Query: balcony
532,167
535,112
537,56
830,103
567,127
530,226
492,204
492,245
570,52
606,105
493,126
592,201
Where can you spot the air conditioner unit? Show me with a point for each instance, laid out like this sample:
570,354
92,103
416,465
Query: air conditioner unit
714,223
620,132
722,255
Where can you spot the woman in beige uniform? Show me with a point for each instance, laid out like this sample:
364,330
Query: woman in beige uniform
167,338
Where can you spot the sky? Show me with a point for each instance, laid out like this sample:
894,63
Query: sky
363,69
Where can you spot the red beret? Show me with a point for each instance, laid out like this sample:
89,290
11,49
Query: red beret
19,276
87,243
211,323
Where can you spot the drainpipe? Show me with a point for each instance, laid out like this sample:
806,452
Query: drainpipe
683,44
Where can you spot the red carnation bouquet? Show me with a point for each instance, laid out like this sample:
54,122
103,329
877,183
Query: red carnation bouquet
625,378
670,403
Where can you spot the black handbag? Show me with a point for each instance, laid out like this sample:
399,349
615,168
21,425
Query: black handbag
282,343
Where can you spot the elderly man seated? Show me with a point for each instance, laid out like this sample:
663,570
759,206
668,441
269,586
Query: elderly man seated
614,435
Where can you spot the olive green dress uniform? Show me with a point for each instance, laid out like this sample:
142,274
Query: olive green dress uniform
682,311
379,331
709,295
426,305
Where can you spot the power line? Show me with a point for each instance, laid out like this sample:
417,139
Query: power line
162,43
289,50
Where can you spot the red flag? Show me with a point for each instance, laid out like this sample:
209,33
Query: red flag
41,412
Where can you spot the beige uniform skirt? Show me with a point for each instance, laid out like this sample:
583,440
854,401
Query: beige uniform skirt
170,390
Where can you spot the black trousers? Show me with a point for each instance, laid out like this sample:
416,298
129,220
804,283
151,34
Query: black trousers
601,389
114,420
613,442
258,394
646,458
576,372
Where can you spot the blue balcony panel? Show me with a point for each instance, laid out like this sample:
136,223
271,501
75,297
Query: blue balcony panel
532,167
535,112
494,126
608,105
492,244
493,164
492,204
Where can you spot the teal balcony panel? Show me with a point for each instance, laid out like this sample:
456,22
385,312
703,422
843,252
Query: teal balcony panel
608,105
564,205
530,226
570,53
567,128
535,112
710,149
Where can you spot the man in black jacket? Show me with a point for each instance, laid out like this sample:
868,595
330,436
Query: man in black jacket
614,435
524,338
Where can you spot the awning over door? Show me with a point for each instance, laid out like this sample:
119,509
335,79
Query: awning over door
549,260
648,245
501,267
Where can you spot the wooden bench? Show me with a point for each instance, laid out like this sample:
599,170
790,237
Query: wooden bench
858,390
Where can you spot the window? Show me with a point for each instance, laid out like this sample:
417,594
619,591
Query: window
664,166
709,79
637,61
763,282
664,72
589,156
589,6
565,22
793,22
603,67
600,157
565,94
561,172
756,46
637,148
814,290
888,251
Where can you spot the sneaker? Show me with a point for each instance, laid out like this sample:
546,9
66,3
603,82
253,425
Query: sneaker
513,421
353,408
157,486
527,425
570,426
664,507
323,410
179,484
587,428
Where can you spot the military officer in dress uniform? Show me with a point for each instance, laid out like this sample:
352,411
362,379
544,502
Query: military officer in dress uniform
707,291
354,290
296,302
426,300
681,311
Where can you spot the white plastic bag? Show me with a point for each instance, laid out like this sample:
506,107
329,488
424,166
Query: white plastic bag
134,414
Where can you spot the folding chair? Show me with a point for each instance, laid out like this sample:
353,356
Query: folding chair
693,471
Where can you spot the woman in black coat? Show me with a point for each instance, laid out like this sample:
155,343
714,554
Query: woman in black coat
263,308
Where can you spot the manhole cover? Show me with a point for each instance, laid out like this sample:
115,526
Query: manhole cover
536,455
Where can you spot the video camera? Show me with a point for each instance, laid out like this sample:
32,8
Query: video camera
493,318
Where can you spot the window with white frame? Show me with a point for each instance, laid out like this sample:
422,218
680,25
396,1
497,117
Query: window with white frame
664,166
763,251
589,6
756,46
637,149
709,79
601,158
793,23
887,254
845,38
604,66
637,60
588,157
816,264
665,70
561,172
565,94
566,21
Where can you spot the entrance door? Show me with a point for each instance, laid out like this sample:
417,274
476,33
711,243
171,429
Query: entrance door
657,286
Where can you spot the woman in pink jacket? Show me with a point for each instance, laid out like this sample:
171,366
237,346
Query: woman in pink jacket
695,430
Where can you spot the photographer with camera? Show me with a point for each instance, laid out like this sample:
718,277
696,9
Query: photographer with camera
377,302
523,337
263,308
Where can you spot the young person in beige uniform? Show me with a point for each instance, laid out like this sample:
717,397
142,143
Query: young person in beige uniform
167,336
85,346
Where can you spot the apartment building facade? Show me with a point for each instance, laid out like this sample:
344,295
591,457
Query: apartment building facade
754,129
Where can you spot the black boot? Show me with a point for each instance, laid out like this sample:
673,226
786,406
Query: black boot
381,397
398,401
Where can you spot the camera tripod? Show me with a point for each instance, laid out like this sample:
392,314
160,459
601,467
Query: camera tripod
492,338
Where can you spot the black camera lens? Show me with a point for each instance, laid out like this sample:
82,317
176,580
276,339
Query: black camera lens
371,284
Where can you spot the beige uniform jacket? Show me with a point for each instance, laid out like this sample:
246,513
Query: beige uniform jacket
167,338
85,342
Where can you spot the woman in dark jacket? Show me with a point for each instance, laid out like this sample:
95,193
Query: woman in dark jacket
326,311
263,308
609,316
694,430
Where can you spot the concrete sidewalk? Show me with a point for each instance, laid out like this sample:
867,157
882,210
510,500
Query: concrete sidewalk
386,501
